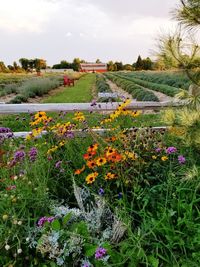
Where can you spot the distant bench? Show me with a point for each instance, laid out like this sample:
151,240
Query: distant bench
67,81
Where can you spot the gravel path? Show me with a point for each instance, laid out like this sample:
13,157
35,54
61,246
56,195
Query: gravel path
118,90
162,97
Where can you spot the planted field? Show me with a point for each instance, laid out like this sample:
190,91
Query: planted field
137,91
163,88
176,79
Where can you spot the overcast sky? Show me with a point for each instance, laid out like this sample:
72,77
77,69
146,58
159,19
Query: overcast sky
89,29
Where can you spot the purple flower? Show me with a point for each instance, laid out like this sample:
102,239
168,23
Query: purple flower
33,153
101,191
19,155
44,219
5,133
181,159
94,103
158,149
171,150
58,164
100,253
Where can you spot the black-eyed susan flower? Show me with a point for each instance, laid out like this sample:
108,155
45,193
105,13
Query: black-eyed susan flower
110,176
91,177
101,161
91,164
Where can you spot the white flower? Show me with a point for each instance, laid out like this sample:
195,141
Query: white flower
19,222
19,251
27,239
7,247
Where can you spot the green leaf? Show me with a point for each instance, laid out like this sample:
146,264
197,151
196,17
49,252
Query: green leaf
154,262
67,218
90,250
55,225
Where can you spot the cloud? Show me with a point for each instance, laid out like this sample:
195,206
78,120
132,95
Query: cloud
89,29
23,15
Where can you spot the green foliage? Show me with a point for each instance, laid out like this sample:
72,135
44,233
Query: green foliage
134,89
165,89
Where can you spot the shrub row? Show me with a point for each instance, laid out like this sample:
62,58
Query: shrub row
163,88
101,84
36,87
134,89
176,79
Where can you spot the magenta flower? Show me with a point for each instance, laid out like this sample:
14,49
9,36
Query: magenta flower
58,164
181,159
171,150
100,253
44,219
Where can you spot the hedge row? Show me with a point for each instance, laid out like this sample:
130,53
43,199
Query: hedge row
163,88
137,91
36,87
101,84
175,79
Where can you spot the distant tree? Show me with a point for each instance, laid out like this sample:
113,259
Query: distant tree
10,67
3,67
38,64
98,61
15,66
147,64
128,67
139,63
119,66
110,66
24,63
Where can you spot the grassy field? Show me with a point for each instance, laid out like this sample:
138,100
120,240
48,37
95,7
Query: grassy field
80,93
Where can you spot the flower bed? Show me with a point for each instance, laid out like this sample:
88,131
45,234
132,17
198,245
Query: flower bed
129,198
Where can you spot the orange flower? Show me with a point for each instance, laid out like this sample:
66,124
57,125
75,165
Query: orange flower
91,164
110,176
91,177
89,155
111,139
92,148
115,157
101,161
79,171
109,151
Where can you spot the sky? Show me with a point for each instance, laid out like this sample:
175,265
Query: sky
56,30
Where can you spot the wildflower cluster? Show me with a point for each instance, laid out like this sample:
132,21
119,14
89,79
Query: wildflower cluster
121,110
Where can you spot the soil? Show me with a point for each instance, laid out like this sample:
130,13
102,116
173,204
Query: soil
39,99
116,89
7,98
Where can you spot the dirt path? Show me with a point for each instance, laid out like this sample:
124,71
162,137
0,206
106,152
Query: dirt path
39,99
162,97
118,90
7,98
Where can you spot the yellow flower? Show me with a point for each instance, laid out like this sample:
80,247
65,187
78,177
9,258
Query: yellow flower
110,176
91,177
101,161
164,158
154,157
78,116
130,155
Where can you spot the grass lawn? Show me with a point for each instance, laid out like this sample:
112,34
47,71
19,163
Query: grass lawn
80,93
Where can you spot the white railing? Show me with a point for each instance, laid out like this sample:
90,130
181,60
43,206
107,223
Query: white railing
71,107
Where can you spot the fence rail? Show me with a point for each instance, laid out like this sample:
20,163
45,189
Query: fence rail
71,107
